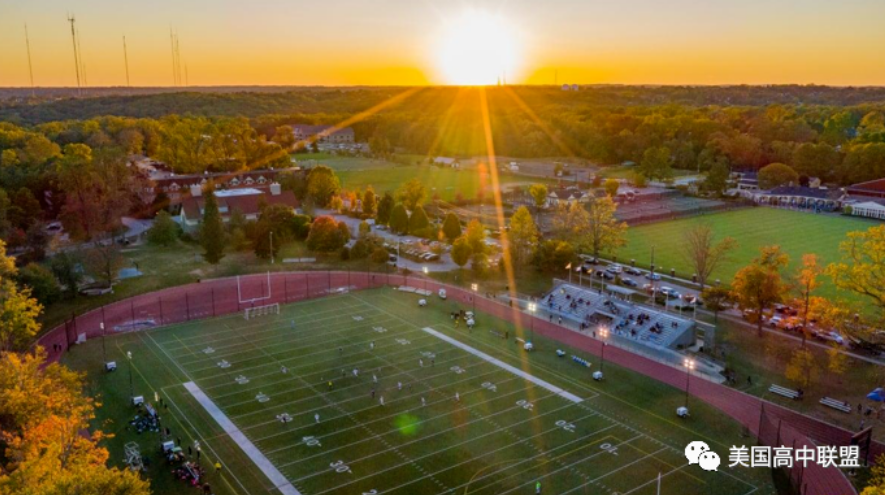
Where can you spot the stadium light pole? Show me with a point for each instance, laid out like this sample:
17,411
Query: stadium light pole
474,288
271,247
131,390
603,335
532,308
426,271
689,366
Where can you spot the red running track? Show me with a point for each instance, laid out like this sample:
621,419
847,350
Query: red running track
222,296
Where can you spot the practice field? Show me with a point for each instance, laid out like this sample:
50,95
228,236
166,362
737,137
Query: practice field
463,411
361,172
796,232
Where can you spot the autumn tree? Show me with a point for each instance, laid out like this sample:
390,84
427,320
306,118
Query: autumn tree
461,251
451,226
285,137
611,187
604,232
44,415
322,185
716,299
806,285
103,261
861,269
476,236
212,235
702,253
65,267
523,236
777,174
412,194
802,368
325,235
571,222
760,284
538,192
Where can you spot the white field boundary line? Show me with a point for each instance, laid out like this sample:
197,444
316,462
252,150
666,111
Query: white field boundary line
606,475
518,372
560,375
273,474
182,416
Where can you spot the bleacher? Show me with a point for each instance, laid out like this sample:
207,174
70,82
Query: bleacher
589,308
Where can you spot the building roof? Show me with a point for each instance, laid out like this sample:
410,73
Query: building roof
805,192
327,130
875,186
248,204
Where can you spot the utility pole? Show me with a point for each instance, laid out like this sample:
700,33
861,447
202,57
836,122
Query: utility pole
30,67
126,61
82,63
76,55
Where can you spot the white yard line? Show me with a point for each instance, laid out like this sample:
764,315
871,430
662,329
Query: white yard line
497,362
280,482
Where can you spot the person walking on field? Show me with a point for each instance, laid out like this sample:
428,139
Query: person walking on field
316,418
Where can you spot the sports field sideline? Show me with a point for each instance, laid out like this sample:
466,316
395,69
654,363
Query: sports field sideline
491,420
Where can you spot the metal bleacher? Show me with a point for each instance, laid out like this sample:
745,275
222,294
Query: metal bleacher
627,320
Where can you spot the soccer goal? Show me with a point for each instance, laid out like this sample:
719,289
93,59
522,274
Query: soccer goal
267,309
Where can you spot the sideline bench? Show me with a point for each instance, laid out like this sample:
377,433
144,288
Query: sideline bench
784,392
836,404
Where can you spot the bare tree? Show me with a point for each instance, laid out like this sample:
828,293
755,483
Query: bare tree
703,253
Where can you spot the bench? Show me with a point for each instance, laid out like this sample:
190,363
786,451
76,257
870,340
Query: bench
784,392
836,404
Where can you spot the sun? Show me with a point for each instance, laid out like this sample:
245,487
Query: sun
477,49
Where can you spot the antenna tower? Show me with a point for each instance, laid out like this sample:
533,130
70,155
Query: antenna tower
126,61
76,55
30,66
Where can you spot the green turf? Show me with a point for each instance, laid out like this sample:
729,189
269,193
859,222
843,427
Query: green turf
494,441
797,233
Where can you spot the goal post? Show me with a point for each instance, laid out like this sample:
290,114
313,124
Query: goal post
267,309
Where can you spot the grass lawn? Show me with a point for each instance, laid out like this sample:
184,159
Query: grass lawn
627,172
797,233
182,264
502,434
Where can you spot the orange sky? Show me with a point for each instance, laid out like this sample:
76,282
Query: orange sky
347,42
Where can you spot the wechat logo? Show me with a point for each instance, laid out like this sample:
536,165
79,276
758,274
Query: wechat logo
699,453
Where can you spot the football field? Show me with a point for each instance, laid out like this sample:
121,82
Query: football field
365,393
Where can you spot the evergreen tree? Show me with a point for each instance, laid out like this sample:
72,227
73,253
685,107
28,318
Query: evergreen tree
418,221
212,229
399,219
164,231
451,227
385,206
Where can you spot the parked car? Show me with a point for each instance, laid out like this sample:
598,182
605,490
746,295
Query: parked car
616,269
629,282
652,276
631,270
670,292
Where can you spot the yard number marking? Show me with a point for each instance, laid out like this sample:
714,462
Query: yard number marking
379,329
458,370
223,364
528,406
312,442
565,425
403,342
428,354
357,318
208,350
371,492
611,449
490,386
242,380
340,467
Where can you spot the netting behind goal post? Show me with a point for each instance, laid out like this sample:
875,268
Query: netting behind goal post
267,309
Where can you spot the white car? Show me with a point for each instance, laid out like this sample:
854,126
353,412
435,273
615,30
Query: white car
670,293
614,269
